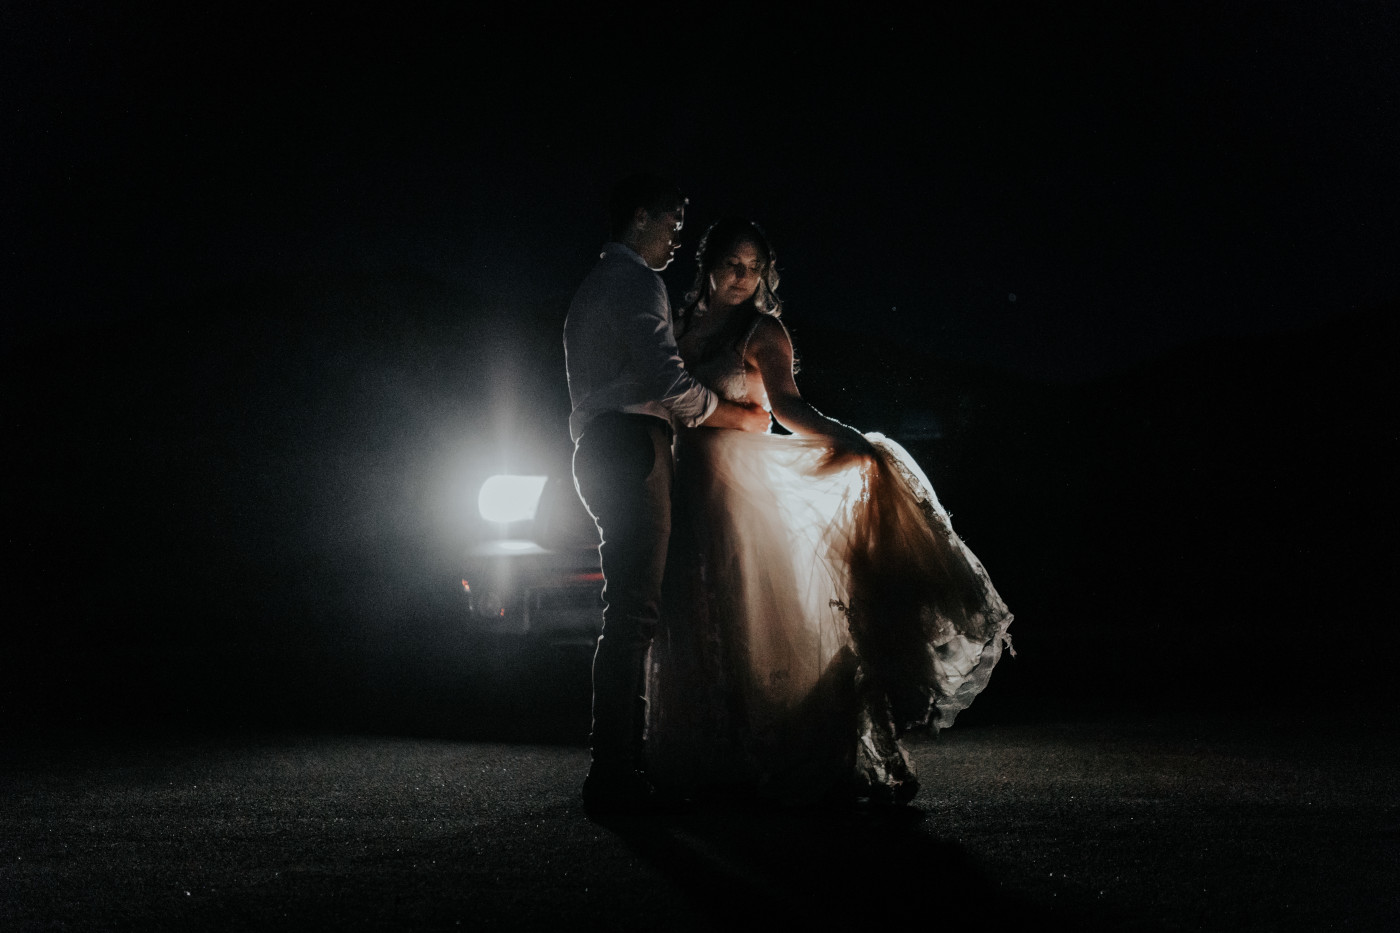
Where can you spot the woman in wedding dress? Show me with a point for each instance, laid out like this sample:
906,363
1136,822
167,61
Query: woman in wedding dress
818,604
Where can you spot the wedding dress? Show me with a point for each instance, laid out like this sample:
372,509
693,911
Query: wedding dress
813,613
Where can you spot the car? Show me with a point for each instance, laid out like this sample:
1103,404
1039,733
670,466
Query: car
539,576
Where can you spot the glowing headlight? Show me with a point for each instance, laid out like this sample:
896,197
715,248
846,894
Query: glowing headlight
509,499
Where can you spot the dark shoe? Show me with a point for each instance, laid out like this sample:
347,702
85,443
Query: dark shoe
617,790
899,794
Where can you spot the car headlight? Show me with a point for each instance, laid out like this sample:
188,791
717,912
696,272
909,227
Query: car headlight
506,499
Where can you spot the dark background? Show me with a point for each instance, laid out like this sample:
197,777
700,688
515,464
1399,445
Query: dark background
279,288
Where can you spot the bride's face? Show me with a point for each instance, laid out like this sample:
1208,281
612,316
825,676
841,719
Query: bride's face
735,278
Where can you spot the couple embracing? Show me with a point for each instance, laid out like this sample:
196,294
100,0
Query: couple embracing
779,608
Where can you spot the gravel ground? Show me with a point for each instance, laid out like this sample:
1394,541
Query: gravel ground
1132,824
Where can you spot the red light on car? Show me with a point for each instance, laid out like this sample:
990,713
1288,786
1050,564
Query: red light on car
466,587
594,577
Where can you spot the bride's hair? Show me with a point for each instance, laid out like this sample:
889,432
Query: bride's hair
722,237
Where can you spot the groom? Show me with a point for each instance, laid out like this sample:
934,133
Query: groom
628,387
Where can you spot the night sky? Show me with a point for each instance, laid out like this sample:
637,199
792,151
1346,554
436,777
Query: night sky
259,266
1135,180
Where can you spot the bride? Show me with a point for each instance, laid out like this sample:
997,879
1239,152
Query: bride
817,604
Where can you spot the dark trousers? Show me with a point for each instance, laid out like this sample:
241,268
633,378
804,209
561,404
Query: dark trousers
623,471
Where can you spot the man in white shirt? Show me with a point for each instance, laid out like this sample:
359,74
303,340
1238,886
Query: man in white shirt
628,387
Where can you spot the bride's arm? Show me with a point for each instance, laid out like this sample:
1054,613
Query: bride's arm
770,351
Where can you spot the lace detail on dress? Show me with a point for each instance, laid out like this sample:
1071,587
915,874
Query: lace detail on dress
923,614
718,361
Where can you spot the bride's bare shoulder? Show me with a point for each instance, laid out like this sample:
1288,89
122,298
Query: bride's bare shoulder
768,333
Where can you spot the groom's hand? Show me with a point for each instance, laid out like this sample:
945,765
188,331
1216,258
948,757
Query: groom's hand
756,419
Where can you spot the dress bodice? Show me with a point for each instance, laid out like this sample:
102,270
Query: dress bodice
718,360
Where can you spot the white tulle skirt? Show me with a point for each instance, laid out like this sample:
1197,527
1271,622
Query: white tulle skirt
814,611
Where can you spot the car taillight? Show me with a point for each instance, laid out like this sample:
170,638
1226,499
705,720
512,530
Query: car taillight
483,601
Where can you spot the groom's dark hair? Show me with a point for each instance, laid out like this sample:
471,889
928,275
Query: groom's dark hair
645,190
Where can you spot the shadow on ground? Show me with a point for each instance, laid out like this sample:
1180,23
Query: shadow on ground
829,869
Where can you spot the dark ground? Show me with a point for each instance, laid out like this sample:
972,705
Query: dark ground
1067,822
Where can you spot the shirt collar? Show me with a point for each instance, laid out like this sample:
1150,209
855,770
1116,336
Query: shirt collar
623,251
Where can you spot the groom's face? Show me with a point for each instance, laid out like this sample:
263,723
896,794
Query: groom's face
658,236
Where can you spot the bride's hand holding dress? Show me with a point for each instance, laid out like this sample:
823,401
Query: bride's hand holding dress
770,356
